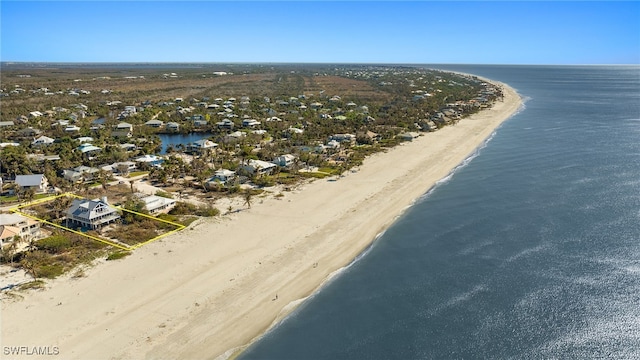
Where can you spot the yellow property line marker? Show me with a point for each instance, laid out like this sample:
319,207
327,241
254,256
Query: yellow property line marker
17,210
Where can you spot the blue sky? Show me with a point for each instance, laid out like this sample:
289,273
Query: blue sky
478,32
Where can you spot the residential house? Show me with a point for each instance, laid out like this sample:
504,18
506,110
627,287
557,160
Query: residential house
91,214
152,160
6,124
12,225
367,137
124,167
84,139
291,131
42,157
172,126
234,136
285,160
154,123
201,146
71,129
88,149
42,140
257,167
156,204
250,123
128,147
38,182
343,138
199,123
332,144
28,132
81,174
121,130
225,124
222,176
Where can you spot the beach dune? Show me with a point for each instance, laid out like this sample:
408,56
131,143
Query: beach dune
211,289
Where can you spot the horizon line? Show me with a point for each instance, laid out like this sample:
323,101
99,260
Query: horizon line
11,62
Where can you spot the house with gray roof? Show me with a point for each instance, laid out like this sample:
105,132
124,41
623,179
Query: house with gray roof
38,182
91,214
81,174
154,123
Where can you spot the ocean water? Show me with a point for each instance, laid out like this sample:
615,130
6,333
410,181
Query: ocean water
531,250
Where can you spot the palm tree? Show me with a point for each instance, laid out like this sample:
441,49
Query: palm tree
28,264
29,194
248,197
10,249
103,179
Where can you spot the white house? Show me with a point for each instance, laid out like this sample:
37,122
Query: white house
257,167
250,123
284,160
152,160
222,176
85,139
157,204
290,131
201,145
72,128
43,140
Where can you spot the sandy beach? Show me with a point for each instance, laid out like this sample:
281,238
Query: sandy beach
208,291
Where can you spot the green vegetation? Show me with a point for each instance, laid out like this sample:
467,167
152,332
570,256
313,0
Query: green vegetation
138,173
184,208
32,285
164,194
118,255
54,255
325,117
55,244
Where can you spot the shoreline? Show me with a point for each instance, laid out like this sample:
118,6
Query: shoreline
214,288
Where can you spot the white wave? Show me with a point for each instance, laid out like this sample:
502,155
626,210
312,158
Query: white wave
456,300
526,252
